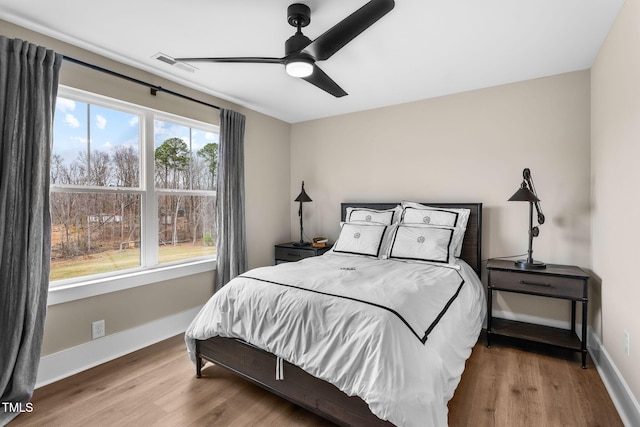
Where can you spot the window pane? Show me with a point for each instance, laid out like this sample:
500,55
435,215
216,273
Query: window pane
94,145
186,227
94,233
70,141
171,155
205,159
185,157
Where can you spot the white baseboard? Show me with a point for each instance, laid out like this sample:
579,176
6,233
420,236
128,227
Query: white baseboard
623,399
620,393
65,363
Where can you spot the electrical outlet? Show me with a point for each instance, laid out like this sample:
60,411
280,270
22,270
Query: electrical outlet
97,329
626,343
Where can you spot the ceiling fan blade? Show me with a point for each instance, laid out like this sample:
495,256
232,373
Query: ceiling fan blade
320,79
241,59
346,30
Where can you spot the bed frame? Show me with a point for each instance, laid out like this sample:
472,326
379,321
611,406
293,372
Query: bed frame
298,386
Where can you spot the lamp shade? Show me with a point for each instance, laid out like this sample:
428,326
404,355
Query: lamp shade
303,196
524,195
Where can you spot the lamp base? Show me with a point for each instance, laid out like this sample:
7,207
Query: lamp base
525,264
301,243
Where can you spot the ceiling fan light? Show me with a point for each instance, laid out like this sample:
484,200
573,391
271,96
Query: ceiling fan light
299,67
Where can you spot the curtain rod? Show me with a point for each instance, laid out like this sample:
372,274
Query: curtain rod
154,88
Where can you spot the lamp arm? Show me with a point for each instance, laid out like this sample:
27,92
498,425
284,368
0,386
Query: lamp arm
526,174
300,215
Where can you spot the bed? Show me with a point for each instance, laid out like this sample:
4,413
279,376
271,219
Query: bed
400,365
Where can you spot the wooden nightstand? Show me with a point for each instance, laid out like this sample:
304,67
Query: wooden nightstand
556,281
288,252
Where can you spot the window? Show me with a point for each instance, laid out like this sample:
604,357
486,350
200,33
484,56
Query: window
185,160
131,188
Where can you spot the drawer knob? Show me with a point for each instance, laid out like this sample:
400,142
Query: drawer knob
544,285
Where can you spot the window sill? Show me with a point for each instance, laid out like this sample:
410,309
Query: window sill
91,288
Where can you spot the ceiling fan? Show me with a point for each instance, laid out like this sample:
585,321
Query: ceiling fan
301,53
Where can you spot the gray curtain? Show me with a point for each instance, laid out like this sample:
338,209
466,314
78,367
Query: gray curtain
28,88
231,242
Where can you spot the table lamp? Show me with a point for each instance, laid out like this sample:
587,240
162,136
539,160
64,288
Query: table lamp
303,197
527,193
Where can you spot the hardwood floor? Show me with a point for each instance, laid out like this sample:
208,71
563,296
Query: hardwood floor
506,386
156,386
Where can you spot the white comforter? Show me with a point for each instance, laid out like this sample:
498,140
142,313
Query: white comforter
396,334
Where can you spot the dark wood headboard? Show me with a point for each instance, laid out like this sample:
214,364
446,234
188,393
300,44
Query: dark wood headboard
472,243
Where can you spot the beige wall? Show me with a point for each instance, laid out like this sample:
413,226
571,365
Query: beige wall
615,133
467,147
69,324
267,198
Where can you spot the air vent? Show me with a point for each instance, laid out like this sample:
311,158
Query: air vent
165,58
169,60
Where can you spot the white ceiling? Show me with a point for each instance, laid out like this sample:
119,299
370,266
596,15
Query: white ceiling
421,49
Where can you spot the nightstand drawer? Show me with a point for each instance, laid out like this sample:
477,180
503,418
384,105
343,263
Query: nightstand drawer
292,254
538,284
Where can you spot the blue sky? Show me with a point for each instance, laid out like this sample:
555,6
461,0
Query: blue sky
110,128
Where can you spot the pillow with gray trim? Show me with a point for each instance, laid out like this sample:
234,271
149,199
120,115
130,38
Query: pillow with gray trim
433,244
360,239
417,213
385,216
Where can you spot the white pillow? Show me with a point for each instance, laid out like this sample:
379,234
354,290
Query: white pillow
416,213
360,239
386,216
429,216
433,244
